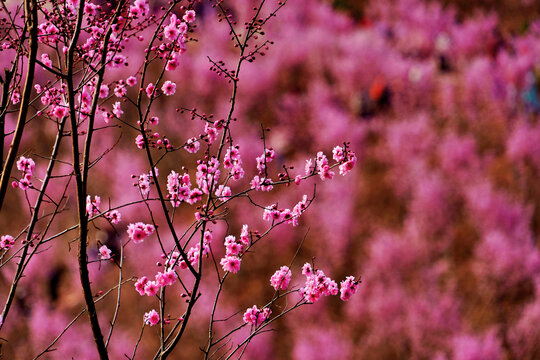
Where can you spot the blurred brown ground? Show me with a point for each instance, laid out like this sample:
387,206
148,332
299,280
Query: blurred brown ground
515,15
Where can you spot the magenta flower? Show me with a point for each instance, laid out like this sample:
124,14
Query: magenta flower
168,88
281,278
231,263
151,318
104,253
6,242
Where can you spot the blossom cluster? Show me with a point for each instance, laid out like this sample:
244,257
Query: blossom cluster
348,288
255,316
27,166
234,249
139,231
317,284
92,206
273,214
150,287
281,278
233,162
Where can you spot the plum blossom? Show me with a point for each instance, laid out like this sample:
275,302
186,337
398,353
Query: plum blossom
139,231
223,192
131,81
117,111
281,278
6,242
46,60
114,216
150,90
256,317
168,88
92,206
317,284
151,318
104,253
348,288
231,263
189,16
192,145
103,91
139,141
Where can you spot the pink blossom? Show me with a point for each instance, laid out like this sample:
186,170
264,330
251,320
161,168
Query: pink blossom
151,318
322,167
139,8
117,111
338,154
26,165
309,167
256,317
92,206
348,165
104,253
171,31
150,90
348,288
244,236
233,161
59,111
172,260
140,284
270,212
16,97
120,90
281,278
232,248
183,28
223,192
24,184
151,288
189,16
255,183
103,91
90,9
178,187
139,141
46,60
208,237
165,279
317,284
192,145
168,88
173,63
131,81
114,216
6,242
195,196
139,231
265,158
144,184
212,133
231,263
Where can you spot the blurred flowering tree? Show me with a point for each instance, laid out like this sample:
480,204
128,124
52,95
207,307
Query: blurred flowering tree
442,218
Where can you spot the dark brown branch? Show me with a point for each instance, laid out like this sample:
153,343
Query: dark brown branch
30,8
33,221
